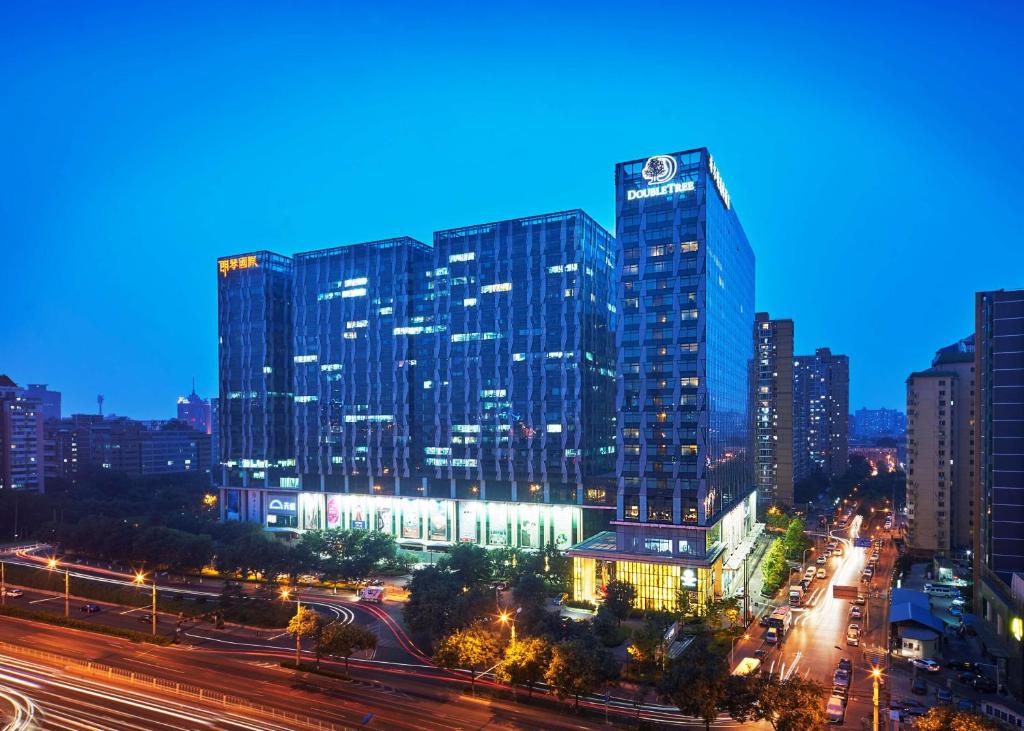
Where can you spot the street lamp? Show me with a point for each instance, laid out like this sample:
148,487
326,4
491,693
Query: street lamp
876,674
510,619
732,647
285,594
139,579
803,559
51,563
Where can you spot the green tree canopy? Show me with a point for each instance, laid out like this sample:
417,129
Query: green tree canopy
475,648
619,598
946,718
793,704
525,662
794,540
697,681
344,640
575,669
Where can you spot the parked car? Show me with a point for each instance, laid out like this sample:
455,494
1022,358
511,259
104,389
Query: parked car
983,684
821,573
853,635
13,593
855,612
943,696
919,687
860,599
961,665
926,664
90,608
835,710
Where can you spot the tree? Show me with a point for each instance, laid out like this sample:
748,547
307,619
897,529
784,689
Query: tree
788,705
697,682
474,649
646,644
305,623
619,598
470,562
345,640
439,603
524,663
946,718
773,565
575,669
794,540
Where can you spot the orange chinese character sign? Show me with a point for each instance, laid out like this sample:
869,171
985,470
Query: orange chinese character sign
225,266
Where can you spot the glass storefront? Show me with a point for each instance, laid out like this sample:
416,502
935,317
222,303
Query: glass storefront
433,521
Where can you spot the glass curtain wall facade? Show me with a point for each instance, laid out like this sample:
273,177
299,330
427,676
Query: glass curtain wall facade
355,369
685,482
521,391
254,304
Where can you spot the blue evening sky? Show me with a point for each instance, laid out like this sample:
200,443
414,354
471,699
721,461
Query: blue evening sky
873,153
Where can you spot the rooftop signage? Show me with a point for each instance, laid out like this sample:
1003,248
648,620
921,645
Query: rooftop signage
225,266
658,171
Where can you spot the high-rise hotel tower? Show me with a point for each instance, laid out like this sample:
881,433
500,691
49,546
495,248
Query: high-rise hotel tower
686,502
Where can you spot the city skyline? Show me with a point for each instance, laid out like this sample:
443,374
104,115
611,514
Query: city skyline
172,169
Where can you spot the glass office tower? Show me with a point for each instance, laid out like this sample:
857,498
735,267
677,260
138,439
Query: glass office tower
354,366
685,493
999,478
522,352
255,435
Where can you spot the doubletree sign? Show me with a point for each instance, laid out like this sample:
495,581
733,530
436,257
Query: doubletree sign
658,171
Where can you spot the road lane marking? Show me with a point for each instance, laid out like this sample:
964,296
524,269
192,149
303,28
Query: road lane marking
45,599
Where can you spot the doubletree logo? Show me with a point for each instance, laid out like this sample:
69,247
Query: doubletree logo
659,169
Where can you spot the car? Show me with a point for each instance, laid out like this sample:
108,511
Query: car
961,665
828,554
90,608
146,617
855,612
835,710
956,611
912,708
959,601
919,687
821,573
853,635
983,684
499,586
804,583
943,696
838,551
860,600
820,560
845,664
763,621
13,593
926,663
376,582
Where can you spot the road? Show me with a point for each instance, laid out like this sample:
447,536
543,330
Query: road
817,640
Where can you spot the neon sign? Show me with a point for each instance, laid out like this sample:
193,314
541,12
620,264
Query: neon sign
236,262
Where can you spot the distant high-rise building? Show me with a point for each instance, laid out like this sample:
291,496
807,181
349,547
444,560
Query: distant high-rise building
194,410
773,409
999,473
821,402
89,441
940,464
215,439
49,401
22,445
874,423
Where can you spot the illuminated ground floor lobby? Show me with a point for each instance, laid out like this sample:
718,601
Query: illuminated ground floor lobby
420,523
665,561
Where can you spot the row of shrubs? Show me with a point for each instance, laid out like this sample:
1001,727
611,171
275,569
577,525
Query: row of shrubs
61,620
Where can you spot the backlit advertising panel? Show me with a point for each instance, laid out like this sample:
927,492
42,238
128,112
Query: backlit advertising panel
312,510
562,520
412,519
469,521
334,511
497,524
529,526
437,524
384,516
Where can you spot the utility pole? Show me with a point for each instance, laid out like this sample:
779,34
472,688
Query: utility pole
67,592
153,611
3,585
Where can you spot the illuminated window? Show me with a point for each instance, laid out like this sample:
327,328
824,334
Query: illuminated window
357,282
469,302
305,358
358,292
554,428
467,256
492,288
